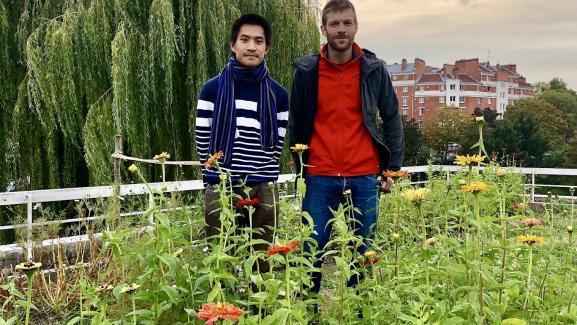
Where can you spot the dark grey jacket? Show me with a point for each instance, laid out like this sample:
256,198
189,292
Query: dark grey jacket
377,96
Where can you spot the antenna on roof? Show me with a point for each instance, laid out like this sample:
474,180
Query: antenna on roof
488,56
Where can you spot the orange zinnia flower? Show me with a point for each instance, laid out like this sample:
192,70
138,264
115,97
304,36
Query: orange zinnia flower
396,174
282,249
211,161
220,310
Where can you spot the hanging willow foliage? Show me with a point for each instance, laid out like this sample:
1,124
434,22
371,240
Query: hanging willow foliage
90,69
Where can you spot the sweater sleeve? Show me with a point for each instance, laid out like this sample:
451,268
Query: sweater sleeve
204,112
282,118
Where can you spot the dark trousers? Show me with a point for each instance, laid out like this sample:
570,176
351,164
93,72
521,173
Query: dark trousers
263,216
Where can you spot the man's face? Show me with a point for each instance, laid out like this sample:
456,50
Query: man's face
340,30
250,46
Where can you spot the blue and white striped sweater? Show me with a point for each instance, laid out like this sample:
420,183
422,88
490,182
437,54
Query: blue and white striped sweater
249,162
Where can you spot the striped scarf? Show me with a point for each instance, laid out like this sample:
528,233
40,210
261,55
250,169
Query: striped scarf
223,127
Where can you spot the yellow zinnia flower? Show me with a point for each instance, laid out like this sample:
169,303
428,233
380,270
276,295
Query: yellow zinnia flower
299,147
475,187
130,288
162,157
530,240
370,253
133,168
416,196
468,160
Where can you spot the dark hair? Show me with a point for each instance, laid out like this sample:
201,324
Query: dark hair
337,5
251,19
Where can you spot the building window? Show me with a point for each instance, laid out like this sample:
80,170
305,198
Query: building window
452,98
405,89
489,100
461,87
452,87
405,101
502,94
422,88
461,99
478,100
406,77
421,100
442,88
394,77
477,88
421,111
442,99
405,112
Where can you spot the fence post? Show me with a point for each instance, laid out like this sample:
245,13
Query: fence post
533,187
29,226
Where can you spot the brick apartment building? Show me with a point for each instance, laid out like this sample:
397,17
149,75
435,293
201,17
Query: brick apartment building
467,84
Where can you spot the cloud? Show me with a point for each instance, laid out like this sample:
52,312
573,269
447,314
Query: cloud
540,37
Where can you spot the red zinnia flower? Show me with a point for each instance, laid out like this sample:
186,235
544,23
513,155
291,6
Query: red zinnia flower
245,202
504,149
521,162
371,261
220,310
517,206
282,249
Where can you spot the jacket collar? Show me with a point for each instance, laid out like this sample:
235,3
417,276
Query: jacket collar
369,61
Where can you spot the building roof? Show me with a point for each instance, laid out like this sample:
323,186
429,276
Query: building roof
430,78
465,78
398,68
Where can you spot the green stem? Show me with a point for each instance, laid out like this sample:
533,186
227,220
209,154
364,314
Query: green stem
29,301
133,310
530,267
287,279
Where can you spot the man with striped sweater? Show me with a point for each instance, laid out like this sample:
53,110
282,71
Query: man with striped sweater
243,112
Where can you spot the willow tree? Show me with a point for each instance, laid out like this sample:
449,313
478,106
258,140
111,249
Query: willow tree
91,69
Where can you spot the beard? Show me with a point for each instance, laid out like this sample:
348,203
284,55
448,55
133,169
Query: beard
336,44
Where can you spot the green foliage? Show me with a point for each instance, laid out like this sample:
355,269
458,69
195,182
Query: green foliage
447,126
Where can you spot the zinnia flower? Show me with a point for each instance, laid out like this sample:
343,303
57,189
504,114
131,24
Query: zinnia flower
220,310
370,253
517,206
396,174
28,267
130,288
212,160
396,237
416,195
431,241
282,249
475,187
133,168
468,160
530,240
480,120
299,147
501,172
531,222
162,157
247,202
104,288
371,261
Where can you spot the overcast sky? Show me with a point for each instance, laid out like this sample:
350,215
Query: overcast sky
540,36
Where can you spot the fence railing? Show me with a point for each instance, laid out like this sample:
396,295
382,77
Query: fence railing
30,198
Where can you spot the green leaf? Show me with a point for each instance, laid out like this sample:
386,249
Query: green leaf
513,321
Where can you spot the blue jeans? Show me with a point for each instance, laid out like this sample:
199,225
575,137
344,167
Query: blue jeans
325,193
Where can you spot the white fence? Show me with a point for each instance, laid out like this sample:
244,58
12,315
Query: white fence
30,198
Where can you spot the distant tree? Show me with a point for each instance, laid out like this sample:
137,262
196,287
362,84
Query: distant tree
415,152
550,119
520,134
447,126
